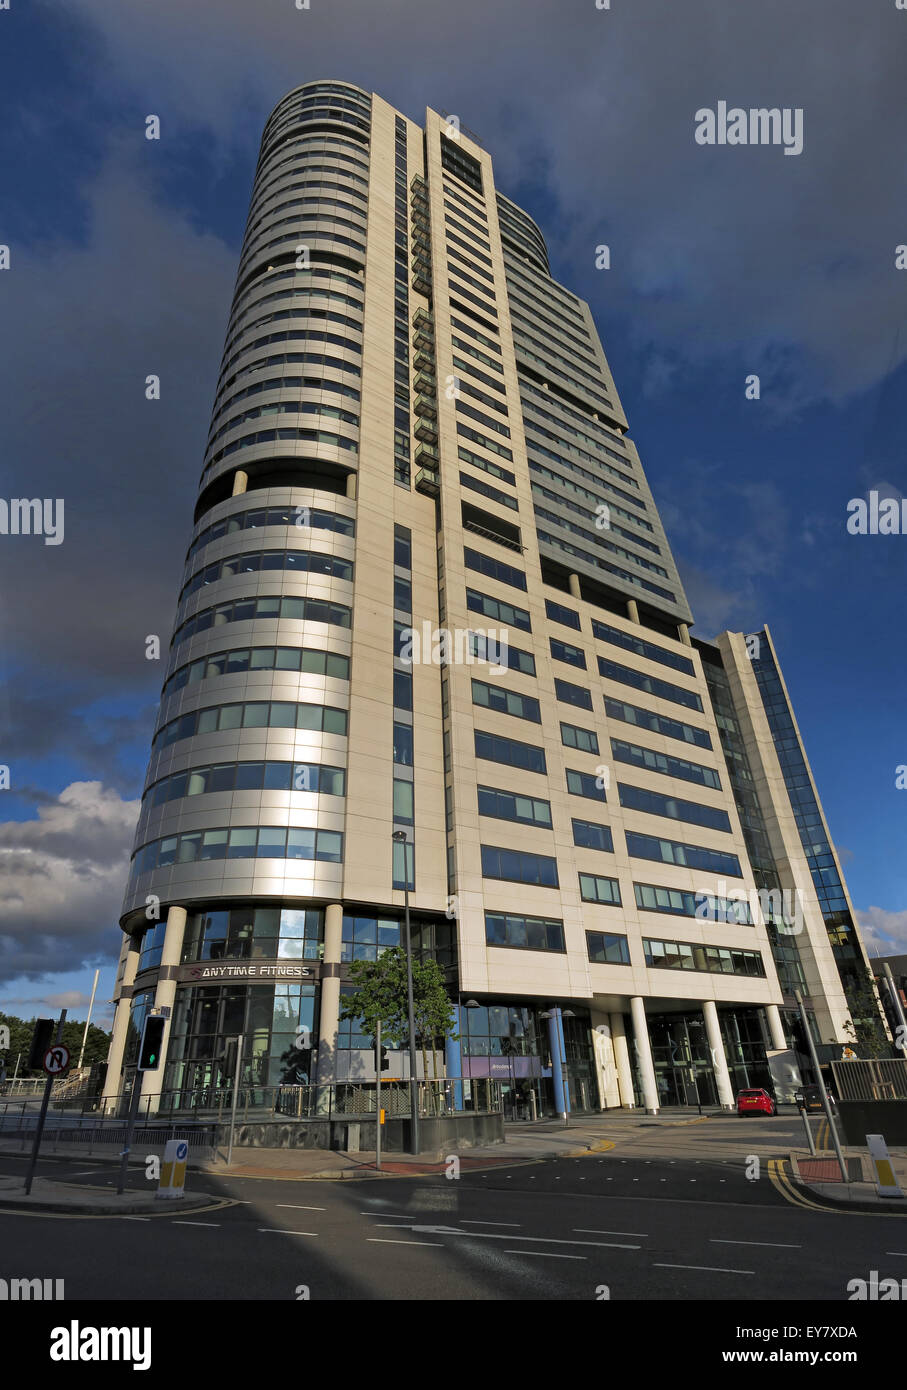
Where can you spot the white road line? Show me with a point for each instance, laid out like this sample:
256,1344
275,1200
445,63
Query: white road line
534,1240
713,1269
775,1244
591,1231
545,1255
290,1206
279,1231
86,1173
896,1252
136,1218
515,1224
195,1223
376,1240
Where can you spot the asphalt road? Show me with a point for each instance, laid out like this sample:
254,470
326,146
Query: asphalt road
648,1220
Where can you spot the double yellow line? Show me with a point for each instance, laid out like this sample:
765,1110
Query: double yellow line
779,1180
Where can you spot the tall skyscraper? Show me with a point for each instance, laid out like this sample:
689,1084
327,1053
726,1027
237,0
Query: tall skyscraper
611,840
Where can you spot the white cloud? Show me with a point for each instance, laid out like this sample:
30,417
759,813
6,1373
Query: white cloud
62,878
884,932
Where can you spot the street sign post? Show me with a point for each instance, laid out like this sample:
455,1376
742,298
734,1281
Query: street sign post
52,1055
56,1060
173,1169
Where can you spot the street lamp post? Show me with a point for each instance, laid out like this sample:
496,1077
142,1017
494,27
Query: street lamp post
399,837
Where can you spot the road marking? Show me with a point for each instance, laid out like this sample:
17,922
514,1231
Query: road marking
896,1252
775,1244
591,1231
535,1240
780,1181
376,1240
545,1255
279,1231
709,1269
138,1218
516,1224
290,1206
195,1223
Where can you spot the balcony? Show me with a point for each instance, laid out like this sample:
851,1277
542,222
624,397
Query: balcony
424,361
428,480
425,431
427,456
421,284
425,406
423,318
423,340
425,383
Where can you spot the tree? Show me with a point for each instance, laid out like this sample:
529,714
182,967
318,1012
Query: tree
20,1034
865,1028
380,993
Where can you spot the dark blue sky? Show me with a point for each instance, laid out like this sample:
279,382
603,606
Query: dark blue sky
724,262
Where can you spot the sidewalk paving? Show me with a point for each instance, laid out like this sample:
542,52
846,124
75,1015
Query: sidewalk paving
820,1175
72,1200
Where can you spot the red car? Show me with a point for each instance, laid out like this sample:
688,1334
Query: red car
755,1103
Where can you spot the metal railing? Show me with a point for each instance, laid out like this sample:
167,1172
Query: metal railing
213,1105
99,1133
883,1078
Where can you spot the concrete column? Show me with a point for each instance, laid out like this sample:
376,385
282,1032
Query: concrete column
164,996
329,1007
240,482
775,1027
605,1068
632,610
351,481
683,633
644,1054
574,586
719,1060
622,1062
113,1081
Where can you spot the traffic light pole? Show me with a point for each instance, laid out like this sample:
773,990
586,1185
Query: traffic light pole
378,1096
130,1126
45,1102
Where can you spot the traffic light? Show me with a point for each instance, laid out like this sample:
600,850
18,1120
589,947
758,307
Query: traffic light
152,1041
41,1039
384,1060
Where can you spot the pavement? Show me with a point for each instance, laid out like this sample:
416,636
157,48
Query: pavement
525,1143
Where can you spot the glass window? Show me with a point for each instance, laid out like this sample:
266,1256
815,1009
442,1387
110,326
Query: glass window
589,835
595,889
403,745
403,690
242,843
574,737
564,651
606,948
403,801
526,933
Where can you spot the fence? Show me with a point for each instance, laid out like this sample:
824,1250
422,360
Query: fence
884,1078
454,1095
18,1122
